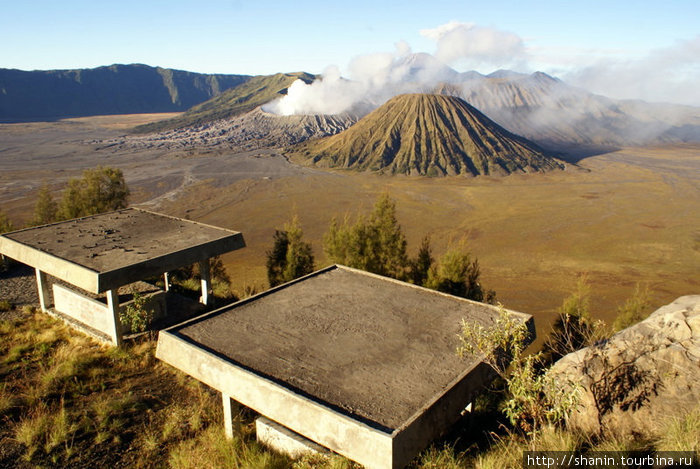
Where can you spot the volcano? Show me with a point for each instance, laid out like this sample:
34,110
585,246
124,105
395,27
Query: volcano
429,135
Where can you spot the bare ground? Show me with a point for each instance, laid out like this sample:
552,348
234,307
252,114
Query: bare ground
629,216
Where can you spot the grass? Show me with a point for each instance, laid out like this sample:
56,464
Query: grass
68,401
210,449
682,434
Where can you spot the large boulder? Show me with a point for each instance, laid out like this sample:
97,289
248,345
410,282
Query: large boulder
641,376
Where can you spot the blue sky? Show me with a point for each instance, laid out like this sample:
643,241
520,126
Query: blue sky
558,37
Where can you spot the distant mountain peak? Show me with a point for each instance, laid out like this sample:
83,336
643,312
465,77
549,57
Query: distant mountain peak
508,74
425,68
543,77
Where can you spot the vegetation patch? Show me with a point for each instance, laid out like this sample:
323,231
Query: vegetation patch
66,401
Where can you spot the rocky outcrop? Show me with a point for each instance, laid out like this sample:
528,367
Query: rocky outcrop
642,375
251,131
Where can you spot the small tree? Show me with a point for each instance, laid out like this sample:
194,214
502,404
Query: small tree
46,209
375,243
574,328
277,258
290,256
420,265
72,203
635,309
5,223
136,317
457,274
100,190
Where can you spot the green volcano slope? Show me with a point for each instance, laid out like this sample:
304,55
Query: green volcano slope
431,135
243,98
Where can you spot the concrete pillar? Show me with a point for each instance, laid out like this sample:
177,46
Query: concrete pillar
113,309
206,281
166,278
229,410
42,284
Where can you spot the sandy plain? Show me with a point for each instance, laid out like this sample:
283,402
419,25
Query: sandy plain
621,217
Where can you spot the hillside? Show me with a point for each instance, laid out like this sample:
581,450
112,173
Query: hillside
243,98
250,131
431,135
114,89
556,115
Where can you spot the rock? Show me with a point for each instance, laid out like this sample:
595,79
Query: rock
641,376
251,131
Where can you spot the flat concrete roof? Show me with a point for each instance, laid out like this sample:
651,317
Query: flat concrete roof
375,349
105,251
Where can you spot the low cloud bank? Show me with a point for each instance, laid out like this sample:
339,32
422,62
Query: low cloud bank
665,75
670,74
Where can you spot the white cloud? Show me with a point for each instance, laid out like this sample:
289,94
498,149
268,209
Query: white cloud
671,74
477,46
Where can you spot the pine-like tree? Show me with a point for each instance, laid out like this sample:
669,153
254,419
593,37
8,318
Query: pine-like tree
458,274
46,209
374,244
290,257
420,265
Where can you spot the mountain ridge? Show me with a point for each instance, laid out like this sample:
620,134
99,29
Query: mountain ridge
236,101
111,89
553,114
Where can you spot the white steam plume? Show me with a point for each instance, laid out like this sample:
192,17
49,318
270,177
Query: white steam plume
671,74
372,79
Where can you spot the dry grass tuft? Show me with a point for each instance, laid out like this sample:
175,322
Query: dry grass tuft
682,434
211,449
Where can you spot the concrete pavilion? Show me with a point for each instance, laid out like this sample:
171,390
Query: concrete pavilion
358,363
103,252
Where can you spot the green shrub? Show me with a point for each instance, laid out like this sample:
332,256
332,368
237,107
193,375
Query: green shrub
635,309
458,274
533,397
45,209
574,328
290,256
136,317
